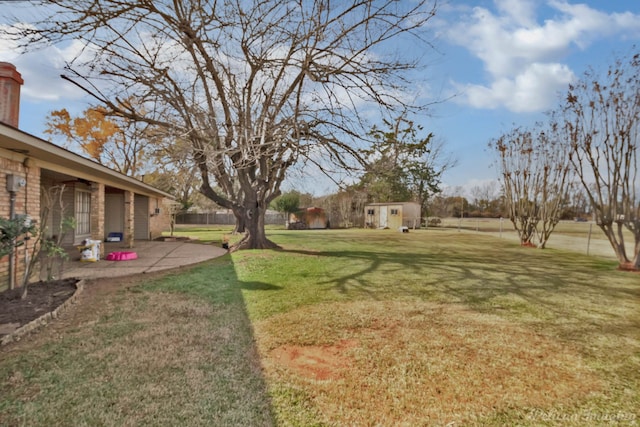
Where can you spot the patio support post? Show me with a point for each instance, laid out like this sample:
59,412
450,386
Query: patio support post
97,211
129,209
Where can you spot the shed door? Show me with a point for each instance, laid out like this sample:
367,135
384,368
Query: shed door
383,216
141,218
395,216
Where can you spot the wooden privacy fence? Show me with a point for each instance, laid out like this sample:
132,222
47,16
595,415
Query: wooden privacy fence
223,218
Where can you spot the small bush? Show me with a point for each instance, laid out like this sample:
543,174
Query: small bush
434,221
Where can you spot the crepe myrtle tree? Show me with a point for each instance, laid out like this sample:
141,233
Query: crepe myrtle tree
536,177
601,121
255,86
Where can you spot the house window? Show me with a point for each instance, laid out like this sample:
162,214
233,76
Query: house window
394,211
370,212
83,212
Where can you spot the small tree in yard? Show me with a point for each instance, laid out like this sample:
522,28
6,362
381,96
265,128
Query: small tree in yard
51,251
536,178
14,232
287,203
119,144
403,166
601,122
174,210
47,246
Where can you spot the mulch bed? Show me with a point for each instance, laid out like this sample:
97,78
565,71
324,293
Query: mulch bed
42,298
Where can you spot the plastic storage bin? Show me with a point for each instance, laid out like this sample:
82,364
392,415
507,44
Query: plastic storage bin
90,250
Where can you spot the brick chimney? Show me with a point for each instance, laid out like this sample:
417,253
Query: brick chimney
10,82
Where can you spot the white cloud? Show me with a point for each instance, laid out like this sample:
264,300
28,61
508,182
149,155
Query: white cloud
9,49
41,69
521,12
41,73
531,90
522,57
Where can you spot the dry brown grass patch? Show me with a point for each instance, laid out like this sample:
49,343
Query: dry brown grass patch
167,331
415,363
315,362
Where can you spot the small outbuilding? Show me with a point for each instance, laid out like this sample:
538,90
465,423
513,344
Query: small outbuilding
308,218
392,215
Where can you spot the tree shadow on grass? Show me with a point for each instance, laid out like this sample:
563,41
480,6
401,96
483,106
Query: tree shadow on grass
259,286
237,373
577,296
174,349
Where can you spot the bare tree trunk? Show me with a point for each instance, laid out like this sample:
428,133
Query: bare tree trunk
616,243
240,221
255,236
636,258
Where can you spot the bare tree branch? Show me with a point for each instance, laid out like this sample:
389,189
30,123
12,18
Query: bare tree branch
536,179
255,86
601,121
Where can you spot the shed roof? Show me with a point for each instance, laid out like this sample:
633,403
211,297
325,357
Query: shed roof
391,203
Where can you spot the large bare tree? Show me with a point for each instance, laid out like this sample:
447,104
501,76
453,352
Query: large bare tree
536,178
601,120
254,85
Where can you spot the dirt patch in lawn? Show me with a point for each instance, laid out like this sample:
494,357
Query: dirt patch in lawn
316,362
414,363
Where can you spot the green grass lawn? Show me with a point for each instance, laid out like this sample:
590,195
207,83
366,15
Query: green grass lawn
346,327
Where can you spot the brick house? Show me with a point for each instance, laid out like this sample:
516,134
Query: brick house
101,200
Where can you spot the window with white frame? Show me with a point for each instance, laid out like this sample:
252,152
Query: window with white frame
83,212
394,211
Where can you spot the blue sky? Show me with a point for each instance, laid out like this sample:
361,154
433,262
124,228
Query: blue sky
498,62
507,61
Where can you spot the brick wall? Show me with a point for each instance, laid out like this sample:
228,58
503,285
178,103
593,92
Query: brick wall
158,222
27,201
97,212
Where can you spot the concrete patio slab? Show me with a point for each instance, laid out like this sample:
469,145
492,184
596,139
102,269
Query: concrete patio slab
153,256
